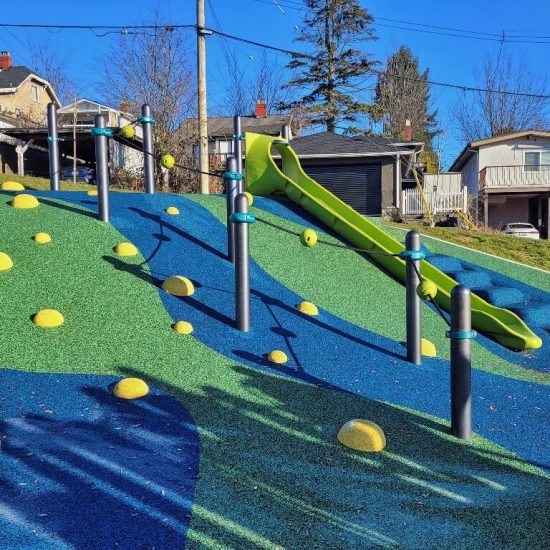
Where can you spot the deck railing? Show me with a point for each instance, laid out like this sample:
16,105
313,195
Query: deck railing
413,205
515,176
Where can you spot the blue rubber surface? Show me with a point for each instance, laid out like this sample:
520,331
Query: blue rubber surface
80,468
530,303
324,350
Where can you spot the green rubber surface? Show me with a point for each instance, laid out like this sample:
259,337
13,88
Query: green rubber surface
264,178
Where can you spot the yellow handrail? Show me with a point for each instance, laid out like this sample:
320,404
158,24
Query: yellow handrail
424,201
465,218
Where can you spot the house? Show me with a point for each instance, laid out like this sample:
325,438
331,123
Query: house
510,177
220,132
367,172
23,94
81,115
24,97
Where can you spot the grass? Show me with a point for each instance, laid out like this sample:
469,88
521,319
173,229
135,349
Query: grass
525,251
271,473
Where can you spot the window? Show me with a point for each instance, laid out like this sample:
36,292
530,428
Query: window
535,160
34,93
17,111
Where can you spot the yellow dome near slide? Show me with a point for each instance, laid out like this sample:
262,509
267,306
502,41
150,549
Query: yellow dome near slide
131,388
362,435
125,249
178,286
42,238
5,262
48,318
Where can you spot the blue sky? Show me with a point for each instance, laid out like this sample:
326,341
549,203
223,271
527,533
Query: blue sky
449,59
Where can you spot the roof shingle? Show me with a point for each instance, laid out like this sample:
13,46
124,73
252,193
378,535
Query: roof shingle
14,76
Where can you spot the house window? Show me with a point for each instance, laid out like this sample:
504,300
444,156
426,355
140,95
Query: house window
17,111
535,160
35,93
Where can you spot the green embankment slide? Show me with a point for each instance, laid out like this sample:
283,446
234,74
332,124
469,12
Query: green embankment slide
264,177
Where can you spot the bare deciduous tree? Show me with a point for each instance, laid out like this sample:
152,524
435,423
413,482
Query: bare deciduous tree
153,67
492,113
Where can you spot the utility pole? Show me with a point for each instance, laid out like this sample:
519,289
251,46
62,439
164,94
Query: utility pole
74,140
203,122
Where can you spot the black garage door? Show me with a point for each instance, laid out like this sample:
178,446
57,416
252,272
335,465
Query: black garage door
358,186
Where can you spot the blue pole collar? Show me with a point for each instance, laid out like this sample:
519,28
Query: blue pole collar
461,334
102,132
51,138
232,176
242,217
146,119
412,255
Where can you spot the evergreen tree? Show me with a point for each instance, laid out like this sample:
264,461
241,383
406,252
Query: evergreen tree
329,73
402,93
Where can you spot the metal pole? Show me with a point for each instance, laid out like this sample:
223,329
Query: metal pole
148,158
242,272
238,149
201,81
414,349
461,362
232,178
53,147
285,131
102,170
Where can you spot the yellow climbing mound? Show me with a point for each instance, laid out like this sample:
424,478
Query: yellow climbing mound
125,249
48,318
130,388
308,308
427,348
183,327
42,238
12,186
178,286
92,193
362,435
250,198
5,262
277,356
24,201
172,210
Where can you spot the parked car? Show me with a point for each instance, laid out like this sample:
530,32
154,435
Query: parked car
519,229
83,173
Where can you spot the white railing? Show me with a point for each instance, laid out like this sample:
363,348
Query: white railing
515,176
438,202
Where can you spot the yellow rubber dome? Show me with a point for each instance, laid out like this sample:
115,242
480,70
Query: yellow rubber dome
172,210
178,286
24,201
427,348
48,318
130,388
92,193
125,249
5,262
250,198
42,238
12,186
362,435
183,327
307,308
277,356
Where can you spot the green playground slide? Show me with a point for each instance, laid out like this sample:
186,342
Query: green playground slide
263,177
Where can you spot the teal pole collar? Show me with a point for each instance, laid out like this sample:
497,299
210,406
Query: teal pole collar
102,132
232,176
412,255
242,217
461,334
146,119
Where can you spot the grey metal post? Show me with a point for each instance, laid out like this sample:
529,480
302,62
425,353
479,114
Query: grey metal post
102,171
285,131
461,362
53,147
238,149
148,158
242,272
231,179
414,349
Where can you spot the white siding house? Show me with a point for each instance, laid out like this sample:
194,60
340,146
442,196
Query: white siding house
510,176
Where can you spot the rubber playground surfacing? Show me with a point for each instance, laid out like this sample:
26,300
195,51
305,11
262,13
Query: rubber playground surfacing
228,450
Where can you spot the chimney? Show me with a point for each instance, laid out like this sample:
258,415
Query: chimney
5,61
407,131
124,106
261,108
